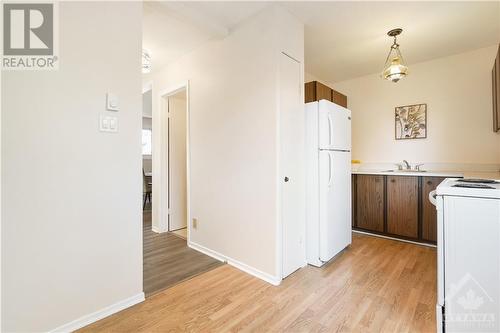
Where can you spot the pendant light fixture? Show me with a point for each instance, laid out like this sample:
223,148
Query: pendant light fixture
394,68
146,61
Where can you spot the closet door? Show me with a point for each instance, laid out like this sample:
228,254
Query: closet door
291,165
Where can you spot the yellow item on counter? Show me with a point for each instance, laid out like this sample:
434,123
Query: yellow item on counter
355,162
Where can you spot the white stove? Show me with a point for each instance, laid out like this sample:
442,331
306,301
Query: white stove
468,248
480,188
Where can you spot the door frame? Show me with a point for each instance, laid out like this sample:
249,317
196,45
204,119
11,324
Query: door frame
160,167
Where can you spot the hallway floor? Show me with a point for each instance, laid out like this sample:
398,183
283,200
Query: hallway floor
376,285
168,260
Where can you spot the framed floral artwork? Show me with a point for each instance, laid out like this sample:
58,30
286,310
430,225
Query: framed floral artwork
411,122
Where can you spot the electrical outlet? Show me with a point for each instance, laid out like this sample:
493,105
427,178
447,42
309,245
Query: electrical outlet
195,223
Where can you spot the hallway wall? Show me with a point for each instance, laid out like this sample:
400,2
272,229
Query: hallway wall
71,195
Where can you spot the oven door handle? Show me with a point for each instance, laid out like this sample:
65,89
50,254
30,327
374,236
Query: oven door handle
432,197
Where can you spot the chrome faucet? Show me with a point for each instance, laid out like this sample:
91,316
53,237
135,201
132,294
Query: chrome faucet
407,165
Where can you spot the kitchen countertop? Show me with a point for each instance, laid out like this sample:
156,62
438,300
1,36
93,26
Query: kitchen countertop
431,173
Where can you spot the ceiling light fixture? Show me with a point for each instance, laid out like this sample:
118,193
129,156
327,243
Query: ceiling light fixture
394,68
146,61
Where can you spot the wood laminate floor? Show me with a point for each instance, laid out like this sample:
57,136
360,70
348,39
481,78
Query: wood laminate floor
168,260
377,285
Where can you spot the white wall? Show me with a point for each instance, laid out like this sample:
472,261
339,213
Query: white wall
233,93
457,90
147,103
71,196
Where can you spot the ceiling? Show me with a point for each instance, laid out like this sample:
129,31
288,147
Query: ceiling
172,29
343,40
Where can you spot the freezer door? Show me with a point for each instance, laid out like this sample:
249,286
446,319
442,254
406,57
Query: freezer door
335,203
334,123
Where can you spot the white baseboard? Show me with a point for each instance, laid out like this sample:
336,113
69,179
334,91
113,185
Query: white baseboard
235,263
393,238
100,314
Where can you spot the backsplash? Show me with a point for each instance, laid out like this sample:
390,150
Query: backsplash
429,166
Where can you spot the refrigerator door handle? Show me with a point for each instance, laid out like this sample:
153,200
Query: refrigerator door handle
330,125
330,171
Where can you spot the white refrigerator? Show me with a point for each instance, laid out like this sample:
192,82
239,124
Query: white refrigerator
328,180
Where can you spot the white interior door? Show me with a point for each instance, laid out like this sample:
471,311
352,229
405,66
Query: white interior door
335,203
177,161
291,165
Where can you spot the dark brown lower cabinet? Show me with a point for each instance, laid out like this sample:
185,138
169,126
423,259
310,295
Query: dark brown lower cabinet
396,206
370,196
429,215
402,206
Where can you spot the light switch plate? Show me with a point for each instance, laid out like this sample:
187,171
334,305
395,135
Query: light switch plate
112,102
108,123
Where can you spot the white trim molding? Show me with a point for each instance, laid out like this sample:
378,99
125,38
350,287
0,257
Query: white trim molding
276,281
159,167
100,314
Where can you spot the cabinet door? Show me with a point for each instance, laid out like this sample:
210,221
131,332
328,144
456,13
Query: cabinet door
429,216
323,92
497,90
370,202
353,202
310,92
402,206
339,98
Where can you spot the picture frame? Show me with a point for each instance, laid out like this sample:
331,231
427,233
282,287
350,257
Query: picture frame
410,122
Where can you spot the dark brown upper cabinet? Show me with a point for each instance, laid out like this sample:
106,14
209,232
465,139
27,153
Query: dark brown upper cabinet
315,91
495,79
402,206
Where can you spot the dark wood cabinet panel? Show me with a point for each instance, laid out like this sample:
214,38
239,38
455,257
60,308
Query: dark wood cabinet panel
494,84
429,214
310,91
323,92
315,91
495,75
370,202
339,98
402,206
353,200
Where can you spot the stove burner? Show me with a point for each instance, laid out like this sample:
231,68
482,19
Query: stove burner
477,181
471,185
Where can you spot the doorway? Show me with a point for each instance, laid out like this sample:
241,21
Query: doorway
167,258
177,163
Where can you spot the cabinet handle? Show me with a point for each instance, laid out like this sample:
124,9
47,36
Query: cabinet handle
429,182
393,180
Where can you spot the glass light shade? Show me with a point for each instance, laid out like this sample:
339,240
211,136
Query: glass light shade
394,68
146,61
